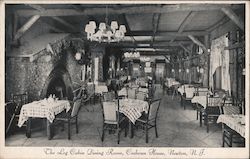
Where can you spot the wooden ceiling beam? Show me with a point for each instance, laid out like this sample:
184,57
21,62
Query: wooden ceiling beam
26,26
155,23
167,33
197,41
58,19
185,49
126,10
219,23
237,20
185,22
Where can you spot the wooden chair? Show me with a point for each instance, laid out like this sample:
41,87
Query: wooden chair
212,110
230,136
148,121
18,101
141,95
131,92
112,120
108,96
70,117
91,92
185,97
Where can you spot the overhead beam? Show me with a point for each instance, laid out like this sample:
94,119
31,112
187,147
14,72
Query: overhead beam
167,33
155,23
60,20
196,41
185,49
43,10
219,23
230,13
126,10
26,26
185,22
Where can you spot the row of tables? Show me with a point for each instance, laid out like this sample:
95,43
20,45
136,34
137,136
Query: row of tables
49,108
235,121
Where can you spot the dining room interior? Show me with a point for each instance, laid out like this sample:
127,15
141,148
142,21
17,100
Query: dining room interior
126,75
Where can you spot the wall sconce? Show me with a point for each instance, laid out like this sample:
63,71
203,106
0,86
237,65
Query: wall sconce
78,56
198,69
187,70
179,70
172,70
201,70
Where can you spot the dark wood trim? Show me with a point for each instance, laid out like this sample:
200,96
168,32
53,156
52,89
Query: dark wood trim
235,46
126,10
237,20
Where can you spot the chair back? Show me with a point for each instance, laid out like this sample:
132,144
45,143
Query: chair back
76,107
90,88
153,109
141,95
108,96
202,91
19,100
214,101
131,92
110,111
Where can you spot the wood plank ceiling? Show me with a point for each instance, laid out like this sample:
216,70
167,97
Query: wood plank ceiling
164,27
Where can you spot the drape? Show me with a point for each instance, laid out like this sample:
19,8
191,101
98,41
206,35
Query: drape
220,57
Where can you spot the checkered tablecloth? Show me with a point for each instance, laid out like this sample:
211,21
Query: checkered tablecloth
42,109
133,108
235,122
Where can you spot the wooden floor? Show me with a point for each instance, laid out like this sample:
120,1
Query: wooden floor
176,128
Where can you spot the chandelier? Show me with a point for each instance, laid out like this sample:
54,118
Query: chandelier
105,33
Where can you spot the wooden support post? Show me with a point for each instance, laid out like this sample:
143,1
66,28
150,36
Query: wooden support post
26,26
230,13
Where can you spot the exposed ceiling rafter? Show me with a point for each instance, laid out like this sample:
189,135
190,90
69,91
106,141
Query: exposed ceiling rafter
125,10
185,22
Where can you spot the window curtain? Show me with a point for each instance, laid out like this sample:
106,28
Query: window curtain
220,57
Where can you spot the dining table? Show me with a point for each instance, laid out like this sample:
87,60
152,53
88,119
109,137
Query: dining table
132,109
45,108
235,122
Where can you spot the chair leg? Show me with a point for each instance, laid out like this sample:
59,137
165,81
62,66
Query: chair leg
197,114
156,133
68,129
76,125
231,141
118,135
223,139
146,133
102,138
200,118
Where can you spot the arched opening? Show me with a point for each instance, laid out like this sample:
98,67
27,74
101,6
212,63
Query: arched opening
58,83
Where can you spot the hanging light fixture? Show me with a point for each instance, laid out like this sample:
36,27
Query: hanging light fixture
105,33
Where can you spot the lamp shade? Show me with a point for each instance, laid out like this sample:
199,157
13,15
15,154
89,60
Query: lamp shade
102,26
92,24
187,70
114,25
179,70
123,28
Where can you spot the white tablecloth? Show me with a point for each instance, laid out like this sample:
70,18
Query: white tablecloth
145,90
188,90
122,92
42,109
133,108
99,89
202,100
234,122
171,82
